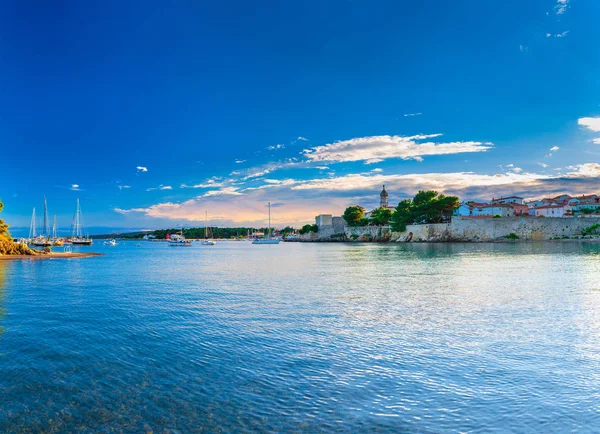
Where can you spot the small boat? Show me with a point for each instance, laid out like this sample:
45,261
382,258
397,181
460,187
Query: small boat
78,235
206,241
268,239
178,240
41,242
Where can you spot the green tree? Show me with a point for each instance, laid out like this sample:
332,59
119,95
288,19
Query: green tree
381,216
353,215
3,226
308,228
427,206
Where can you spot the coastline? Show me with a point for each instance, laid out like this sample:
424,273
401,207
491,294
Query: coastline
55,255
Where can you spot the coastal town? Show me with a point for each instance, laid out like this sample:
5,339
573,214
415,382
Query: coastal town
469,220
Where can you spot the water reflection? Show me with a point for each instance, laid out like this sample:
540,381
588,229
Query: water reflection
3,271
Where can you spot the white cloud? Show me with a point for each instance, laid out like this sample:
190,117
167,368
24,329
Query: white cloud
231,191
275,147
592,124
375,149
160,187
121,187
596,141
304,139
561,6
306,198
141,169
239,161
557,35
554,149
517,170
544,165
412,114
74,187
209,183
377,170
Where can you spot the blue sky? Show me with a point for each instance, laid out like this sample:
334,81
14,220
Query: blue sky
152,113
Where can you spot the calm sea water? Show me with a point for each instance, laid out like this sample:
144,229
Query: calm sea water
303,337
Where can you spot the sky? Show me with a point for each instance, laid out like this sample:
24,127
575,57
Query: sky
153,113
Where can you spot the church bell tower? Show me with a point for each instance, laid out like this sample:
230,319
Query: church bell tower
383,198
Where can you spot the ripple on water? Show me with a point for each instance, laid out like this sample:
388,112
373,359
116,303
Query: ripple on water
298,337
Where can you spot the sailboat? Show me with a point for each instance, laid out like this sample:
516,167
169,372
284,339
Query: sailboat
267,239
55,240
78,236
42,240
206,241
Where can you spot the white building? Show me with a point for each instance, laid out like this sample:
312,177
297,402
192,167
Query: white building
463,210
550,211
492,209
509,199
324,220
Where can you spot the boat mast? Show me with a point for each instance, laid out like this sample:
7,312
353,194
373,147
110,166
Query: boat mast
46,223
269,233
54,228
32,226
77,225
206,225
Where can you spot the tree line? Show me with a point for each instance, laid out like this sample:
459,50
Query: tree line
214,232
428,206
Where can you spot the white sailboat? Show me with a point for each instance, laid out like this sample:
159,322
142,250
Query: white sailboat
206,241
42,240
55,240
78,235
267,239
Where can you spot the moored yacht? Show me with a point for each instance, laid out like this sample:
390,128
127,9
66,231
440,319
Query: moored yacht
78,235
206,241
178,240
267,239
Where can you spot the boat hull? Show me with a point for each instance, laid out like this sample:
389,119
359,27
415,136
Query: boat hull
265,242
82,243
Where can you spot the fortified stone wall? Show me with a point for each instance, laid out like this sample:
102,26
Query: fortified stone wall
526,228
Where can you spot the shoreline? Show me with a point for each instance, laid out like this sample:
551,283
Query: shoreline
55,255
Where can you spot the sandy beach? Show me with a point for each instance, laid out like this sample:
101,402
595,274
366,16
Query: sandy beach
55,255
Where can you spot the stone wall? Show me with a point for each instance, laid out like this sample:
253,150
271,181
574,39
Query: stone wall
348,233
526,228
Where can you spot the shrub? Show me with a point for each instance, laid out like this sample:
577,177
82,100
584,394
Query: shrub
497,216
590,230
512,236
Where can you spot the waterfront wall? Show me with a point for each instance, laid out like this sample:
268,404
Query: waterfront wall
473,230
349,233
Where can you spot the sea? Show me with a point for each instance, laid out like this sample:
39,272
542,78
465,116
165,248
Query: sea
299,337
